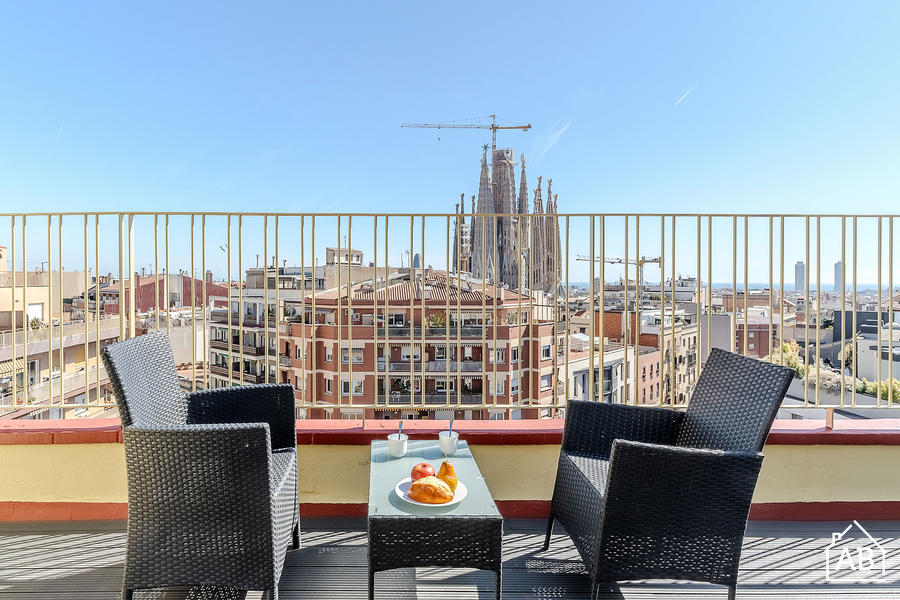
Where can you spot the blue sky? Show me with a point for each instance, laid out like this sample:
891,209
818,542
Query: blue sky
296,107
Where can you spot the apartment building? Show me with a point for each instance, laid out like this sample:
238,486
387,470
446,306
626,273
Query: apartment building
59,359
618,380
168,291
871,356
407,347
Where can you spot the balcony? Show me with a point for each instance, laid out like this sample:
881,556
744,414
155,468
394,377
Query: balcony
236,375
433,366
405,399
466,331
237,349
64,535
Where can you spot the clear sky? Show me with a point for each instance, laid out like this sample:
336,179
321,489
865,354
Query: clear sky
635,107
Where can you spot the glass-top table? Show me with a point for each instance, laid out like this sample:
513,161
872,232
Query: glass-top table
401,534
385,471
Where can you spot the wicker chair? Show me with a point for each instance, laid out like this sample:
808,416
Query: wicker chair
654,493
212,475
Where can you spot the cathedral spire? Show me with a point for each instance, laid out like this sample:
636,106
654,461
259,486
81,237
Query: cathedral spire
553,267
536,281
483,238
523,225
522,209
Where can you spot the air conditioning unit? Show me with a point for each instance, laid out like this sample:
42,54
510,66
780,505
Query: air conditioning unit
356,316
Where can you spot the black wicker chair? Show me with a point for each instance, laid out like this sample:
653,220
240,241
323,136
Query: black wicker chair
654,493
212,475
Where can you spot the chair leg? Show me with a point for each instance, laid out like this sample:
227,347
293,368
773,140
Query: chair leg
732,591
271,594
498,583
295,537
371,584
127,594
549,531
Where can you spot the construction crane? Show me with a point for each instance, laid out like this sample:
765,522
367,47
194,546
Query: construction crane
640,262
492,126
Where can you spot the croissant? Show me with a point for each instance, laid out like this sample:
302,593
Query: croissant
430,490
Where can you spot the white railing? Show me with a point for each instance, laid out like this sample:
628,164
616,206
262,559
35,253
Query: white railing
644,282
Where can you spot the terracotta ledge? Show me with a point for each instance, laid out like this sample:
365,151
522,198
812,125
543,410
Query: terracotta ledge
868,432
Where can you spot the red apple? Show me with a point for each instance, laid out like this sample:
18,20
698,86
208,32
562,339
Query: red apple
421,470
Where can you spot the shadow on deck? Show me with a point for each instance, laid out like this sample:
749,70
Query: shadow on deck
780,561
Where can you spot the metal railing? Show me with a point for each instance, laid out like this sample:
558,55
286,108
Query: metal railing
643,287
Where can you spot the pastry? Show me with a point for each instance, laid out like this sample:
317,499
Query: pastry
430,490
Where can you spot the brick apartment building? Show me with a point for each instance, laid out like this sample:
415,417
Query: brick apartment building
392,347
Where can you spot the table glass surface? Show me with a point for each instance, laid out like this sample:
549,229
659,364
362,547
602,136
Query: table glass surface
385,472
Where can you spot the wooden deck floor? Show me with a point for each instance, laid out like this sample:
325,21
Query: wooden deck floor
81,561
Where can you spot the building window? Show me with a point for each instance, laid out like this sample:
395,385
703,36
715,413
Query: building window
327,386
546,381
751,334
357,355
514,354
514,385
327,354
357,388
440,385
752,346
500,388
545,352
396,319
499,356
643,373
497,416
440,352
299,353
406,352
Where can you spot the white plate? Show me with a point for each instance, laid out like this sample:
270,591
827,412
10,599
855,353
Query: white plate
402,490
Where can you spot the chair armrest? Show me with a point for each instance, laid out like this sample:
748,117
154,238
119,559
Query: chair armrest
652,487
265,403
592,427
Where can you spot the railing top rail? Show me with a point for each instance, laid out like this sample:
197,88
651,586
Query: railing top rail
447,214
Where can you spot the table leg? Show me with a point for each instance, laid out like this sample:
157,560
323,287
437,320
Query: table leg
371,584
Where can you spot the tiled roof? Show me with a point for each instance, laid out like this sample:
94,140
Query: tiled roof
438,287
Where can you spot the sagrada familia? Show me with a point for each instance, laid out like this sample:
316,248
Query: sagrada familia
501,230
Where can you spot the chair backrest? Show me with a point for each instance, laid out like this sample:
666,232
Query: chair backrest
734,403
145,382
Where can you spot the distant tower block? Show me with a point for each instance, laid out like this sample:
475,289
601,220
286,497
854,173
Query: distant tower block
800,277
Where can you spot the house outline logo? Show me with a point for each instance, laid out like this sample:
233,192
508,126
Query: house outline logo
859,562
